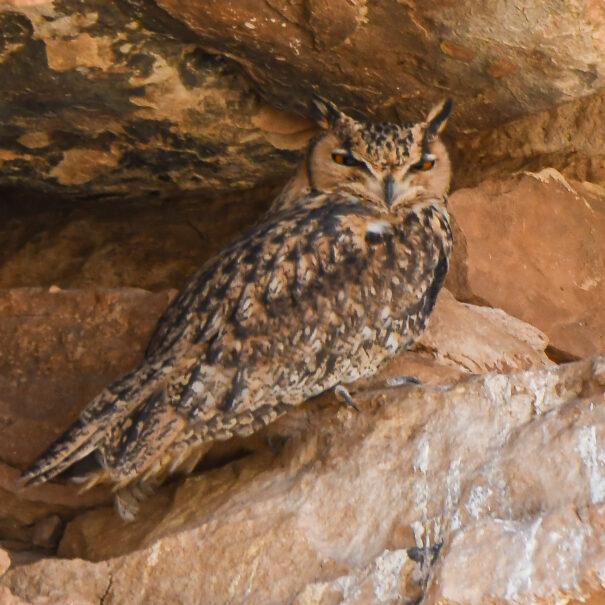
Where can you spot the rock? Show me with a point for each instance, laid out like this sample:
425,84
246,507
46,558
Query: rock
8,598
535,247
508,457
516,561
60,348
19,516
391,575
50,582
155,246
566,137
111,99
120,99
48,531
5,561
480,339
394,58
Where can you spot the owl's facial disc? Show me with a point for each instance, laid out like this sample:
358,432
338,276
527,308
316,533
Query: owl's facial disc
424,174
387,165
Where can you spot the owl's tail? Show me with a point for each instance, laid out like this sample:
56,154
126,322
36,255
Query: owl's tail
104,416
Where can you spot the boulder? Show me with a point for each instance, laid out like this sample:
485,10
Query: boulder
394,58
534,246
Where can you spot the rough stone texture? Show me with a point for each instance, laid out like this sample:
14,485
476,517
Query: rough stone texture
535,247
119,98
19,517
388,577
47,532
140,244
509,457
50,582
498,60
479,339
519,559
568,137
8,598
59,349
106,98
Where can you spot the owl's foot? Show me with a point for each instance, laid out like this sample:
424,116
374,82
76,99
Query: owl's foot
399,380
343,395
425,555
426,558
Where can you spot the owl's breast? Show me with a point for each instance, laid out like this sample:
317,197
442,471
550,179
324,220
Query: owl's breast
408,261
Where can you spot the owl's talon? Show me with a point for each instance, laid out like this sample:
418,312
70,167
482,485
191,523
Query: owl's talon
399,380
419,555
343,395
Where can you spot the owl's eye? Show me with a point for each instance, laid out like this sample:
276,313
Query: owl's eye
423,165
346,159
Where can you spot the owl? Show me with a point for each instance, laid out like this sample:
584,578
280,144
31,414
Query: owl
339,276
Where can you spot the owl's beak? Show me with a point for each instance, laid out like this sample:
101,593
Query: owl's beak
389,188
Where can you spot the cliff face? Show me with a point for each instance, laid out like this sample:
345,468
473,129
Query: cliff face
127,97
137,139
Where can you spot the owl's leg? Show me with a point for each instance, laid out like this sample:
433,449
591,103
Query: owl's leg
343,395
127,499
399,380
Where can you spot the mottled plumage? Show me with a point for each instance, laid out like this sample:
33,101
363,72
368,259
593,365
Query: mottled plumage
340,275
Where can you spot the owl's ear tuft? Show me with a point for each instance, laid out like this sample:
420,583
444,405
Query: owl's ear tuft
437,117
329,114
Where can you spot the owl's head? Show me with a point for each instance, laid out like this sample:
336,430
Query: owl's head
389,165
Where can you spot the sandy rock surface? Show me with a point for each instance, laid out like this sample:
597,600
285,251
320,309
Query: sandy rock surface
535,247
419,466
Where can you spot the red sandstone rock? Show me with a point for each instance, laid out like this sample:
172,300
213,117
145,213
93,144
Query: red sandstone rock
59,349
536,249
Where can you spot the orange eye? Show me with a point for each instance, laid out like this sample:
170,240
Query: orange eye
346,159
424,165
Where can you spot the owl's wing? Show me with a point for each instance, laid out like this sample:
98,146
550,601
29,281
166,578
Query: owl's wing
262,268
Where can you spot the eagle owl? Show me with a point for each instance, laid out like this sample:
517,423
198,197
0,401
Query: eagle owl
340,275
